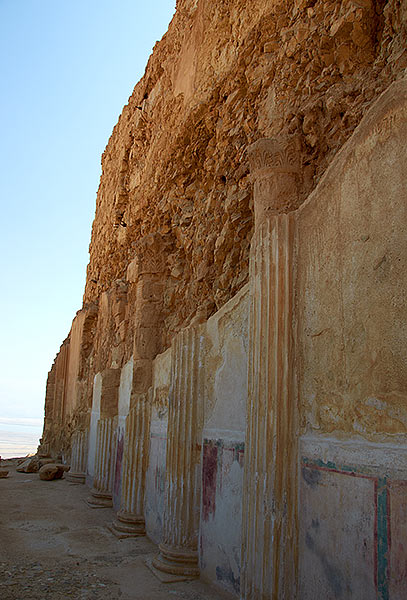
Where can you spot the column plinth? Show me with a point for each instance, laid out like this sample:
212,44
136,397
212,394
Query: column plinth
177,561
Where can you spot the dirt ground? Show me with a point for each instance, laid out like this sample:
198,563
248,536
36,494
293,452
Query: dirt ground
53,547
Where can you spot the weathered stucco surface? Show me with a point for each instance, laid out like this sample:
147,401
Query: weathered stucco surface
225,373
155,480
352,281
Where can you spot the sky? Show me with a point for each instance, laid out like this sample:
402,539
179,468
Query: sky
66,71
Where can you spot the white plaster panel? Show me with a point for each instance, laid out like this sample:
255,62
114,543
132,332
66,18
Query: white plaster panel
94,418
225,364
126,381
225,367
337,536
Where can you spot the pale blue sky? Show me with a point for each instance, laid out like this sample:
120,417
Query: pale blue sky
67,69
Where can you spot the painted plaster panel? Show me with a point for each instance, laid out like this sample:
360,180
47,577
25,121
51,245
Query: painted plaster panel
353,520
220,539
94,418
225,366
126,379
336,562
155,476
398,539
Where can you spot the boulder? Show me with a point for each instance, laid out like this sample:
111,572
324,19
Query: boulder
52,471
3,474
30,465
46,461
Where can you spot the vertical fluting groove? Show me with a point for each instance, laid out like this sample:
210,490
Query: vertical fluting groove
137,464
269,514
98,454
126,464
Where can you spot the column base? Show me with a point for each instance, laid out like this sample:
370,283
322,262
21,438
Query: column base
99,499
127,525
75,477
177,561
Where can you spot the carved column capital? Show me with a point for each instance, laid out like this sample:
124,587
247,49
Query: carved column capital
149,254
275,165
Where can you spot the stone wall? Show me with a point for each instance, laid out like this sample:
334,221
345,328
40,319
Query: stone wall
236,379
177,167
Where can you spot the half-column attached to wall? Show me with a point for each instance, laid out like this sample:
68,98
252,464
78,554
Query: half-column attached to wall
79,456
147,273
269,541
179,548
101,494
130,519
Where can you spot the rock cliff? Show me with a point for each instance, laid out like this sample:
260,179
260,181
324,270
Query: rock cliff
225,74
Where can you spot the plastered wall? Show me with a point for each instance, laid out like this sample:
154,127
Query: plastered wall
352,369
126,380
225,367
155,477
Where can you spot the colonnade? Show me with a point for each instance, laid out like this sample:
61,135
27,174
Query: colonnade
269,527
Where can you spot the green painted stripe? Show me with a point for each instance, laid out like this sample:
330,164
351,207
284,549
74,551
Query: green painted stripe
382,519
382,539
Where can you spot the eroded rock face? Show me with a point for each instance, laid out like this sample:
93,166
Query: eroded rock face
225,75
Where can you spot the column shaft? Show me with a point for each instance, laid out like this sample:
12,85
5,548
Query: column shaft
130,519
79,457
269,527
179,549
101,494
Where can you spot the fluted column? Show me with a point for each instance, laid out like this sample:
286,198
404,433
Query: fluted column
130,519
101,494
179,549
79,456
269,541
146,273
